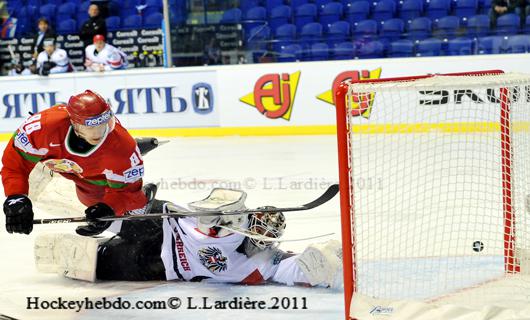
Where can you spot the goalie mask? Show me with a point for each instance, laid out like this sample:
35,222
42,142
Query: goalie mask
267,224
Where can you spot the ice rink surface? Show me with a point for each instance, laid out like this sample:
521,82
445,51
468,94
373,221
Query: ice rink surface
280,171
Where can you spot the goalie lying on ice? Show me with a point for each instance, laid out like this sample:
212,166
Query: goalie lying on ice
219,249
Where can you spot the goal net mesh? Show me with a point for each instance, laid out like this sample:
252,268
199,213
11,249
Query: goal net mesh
439,179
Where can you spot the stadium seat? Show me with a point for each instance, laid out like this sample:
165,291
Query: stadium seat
366,29
304,14
460,47
283,36
310,34
279,16
370,50
526,27
83,7
154,20
246,5
56,2
338,32
438,8
113,23
465,9
490,45
478,26
321,3
411,9
132,22
319,52
66,11
231,16
446,27
344,51
48,11
68,26
290,53
429,47
518,44
392,29
254,17
34,3
484,6
384,10
296,3
357,11
258,37
330,13
401,48
419,29
153,6
507,24
271,4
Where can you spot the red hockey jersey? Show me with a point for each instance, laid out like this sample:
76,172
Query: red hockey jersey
110,172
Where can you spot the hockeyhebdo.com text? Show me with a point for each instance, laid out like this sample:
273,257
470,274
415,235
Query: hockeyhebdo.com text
264,183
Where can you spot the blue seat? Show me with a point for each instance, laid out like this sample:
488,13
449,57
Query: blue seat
34,3
411,9
518,44
66,11
246,5
357,11
283,36
366,29
304,14
296,3
153,6
465,9
311,33
132,22
48,11
321,3
338,32
370,50
125,12
154,20
384,10
83,7
319,52
484,6
232,16
460,47
290,53
401,48
392,29
526,27
344,51
507,24
419,29
330,13
113,23
478,26
271,4
68,26
447,27
254,17
279,16
490,45
429,47
258,38
438,8
56,2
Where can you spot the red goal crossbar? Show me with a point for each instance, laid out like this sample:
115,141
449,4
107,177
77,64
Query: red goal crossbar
347,190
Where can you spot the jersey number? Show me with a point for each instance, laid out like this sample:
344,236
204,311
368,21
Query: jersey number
32,124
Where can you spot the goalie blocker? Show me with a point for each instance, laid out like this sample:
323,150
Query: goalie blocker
192,249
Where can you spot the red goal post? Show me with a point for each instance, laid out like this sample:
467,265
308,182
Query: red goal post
344,94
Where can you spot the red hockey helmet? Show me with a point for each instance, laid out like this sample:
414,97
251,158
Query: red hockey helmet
88,109
98,37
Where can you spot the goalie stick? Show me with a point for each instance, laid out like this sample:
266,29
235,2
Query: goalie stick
260,237
177,213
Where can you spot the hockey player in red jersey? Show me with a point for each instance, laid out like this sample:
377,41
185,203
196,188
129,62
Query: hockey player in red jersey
85,143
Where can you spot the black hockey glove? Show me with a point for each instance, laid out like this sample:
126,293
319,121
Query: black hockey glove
19,214
94,226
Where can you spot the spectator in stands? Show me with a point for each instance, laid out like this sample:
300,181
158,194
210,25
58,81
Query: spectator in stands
52,59
94,25
500,7
102,56
45,32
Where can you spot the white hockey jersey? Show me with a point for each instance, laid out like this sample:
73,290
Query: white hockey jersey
59,57
110,57
188,254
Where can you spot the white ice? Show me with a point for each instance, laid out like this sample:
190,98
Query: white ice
279,171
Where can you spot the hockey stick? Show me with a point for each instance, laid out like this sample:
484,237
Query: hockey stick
325,197
261,237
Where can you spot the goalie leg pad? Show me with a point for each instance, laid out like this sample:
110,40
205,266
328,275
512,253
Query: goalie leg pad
71,255
321,263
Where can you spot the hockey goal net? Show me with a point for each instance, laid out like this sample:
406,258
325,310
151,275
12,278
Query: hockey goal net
435,196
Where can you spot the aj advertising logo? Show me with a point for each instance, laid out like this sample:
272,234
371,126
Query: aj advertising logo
362,104
274,95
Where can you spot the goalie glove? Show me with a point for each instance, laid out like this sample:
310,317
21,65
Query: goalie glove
94,226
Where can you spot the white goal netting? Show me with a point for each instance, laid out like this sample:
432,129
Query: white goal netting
439,177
